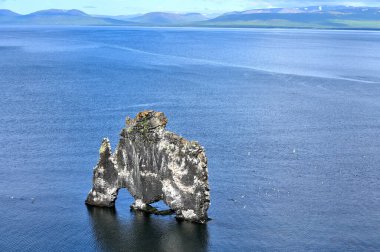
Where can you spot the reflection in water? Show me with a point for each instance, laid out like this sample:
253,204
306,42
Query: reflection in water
145,233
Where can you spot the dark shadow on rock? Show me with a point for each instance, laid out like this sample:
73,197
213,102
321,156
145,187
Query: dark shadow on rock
144,232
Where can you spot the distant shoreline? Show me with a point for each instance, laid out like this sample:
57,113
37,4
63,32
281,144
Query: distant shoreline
192,26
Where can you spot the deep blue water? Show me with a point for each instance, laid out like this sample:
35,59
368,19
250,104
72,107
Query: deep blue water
290,120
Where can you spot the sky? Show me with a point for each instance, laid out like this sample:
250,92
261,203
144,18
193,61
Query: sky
127,7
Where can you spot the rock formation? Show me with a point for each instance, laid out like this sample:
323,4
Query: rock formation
153,164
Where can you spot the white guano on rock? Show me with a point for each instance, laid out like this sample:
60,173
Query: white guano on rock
153,164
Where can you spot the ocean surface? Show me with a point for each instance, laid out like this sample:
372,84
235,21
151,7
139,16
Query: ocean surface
290,120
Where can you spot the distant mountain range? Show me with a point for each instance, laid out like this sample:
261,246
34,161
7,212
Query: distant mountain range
163,18
306,17
56,17
336,17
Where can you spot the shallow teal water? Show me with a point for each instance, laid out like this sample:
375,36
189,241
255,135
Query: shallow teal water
290,120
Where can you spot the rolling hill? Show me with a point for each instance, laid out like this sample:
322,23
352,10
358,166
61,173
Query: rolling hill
8,13
307,17
58,17
164,18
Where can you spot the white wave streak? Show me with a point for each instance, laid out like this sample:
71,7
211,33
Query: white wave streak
224,64
140,105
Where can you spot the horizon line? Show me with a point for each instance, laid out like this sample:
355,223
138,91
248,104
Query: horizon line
187,12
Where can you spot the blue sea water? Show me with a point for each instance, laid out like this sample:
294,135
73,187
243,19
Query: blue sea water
290,120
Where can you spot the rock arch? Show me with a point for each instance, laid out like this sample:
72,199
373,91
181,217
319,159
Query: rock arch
153,164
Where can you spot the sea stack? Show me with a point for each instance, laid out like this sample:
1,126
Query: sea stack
153,164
